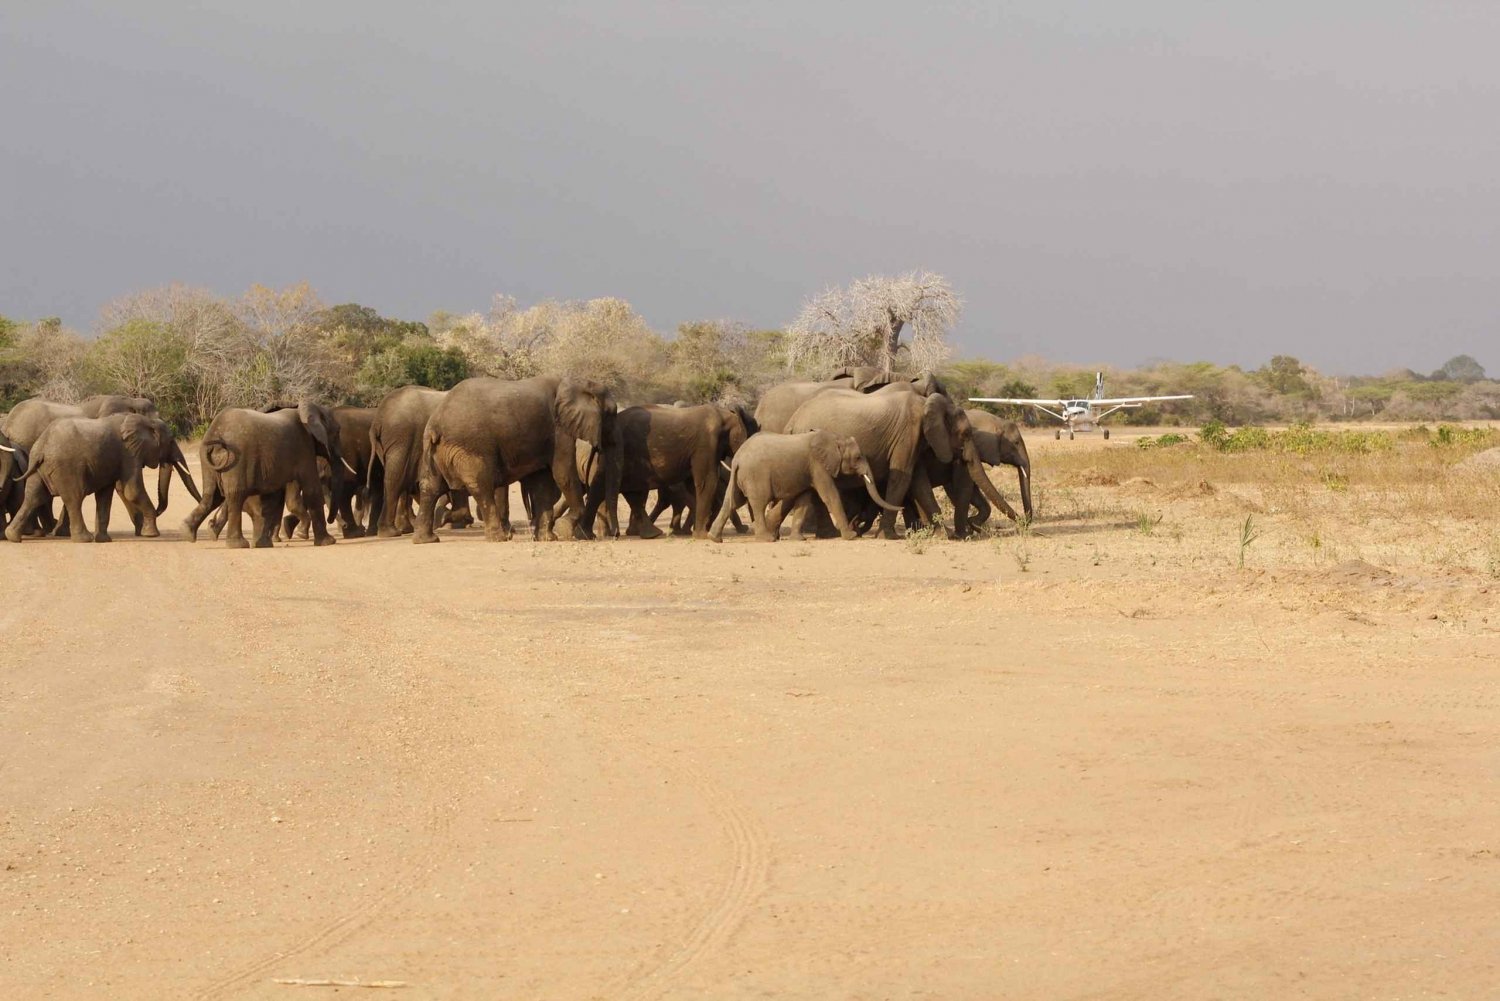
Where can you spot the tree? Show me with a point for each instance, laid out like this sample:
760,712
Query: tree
144,358
863,324
1284,375
1460,368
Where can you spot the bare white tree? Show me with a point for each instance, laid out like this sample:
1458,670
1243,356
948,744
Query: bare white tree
863,324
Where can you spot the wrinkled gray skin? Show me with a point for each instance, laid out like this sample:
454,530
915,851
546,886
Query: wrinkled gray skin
489,433
29,418
599,472
78,456
395,455
897,429
778,473
665,447
247,453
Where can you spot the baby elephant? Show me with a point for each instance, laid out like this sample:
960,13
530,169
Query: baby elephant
777,472
77,456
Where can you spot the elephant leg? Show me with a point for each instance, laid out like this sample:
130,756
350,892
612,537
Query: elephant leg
544,494
272,503
220,519
771,514
234,510
73,509
31,502
63,529
395,501
344,511
312,507
213,496
459,515
897,484
928,512
103,501
426,507
565,478
828,492
706,490
801,511
640,525
142,511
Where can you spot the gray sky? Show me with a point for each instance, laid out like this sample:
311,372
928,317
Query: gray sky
1103,182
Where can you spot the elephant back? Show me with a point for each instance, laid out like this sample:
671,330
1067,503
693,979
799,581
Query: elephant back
30,418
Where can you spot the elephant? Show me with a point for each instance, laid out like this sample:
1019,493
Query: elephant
780,472
668,446
13,461
998,441
897,427
78,456
29,418
353,473
395,452
488,433
778,403
249,453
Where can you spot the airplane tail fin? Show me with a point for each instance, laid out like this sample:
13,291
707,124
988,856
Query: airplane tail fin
1098,385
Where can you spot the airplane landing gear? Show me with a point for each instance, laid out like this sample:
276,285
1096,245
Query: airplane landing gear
1059,434
1106,434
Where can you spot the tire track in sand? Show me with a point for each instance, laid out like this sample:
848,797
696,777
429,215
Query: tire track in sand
345,926
750,865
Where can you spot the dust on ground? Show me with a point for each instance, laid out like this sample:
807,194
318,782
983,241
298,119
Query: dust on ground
1096,759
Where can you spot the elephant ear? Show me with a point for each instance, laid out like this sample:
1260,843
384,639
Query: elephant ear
936,412
826,452
142,439
580,407
313,419
927,384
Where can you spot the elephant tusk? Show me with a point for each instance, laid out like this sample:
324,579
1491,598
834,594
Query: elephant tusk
1023,472
6,448
351,469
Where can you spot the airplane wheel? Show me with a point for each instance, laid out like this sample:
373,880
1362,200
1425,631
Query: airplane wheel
1106,434
1070,435
1059,435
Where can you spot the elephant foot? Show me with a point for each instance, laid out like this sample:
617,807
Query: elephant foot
387,532
424,538
740,530
236,543
650,532
11,535
102,537
264,544
353,532
85,538
149,532
462,521
190,530
324,540
680,532
848,535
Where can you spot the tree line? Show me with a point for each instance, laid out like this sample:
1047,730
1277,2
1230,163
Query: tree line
196,353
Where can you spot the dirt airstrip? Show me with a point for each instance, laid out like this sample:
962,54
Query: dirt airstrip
1101,760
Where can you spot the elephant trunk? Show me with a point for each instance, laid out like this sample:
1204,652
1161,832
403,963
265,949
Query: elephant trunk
163,485
875,494
991,494
187,479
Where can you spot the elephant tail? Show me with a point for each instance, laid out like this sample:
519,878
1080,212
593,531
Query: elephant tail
31,470
220,455
731,501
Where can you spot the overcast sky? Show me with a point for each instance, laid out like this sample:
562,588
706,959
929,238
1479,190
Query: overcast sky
1103,182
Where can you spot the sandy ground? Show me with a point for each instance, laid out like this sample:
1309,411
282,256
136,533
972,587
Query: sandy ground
1101,761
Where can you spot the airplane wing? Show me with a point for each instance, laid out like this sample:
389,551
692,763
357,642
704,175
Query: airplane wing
1017,402
1125,400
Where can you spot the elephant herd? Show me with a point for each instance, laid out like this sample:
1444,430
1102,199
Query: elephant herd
842,456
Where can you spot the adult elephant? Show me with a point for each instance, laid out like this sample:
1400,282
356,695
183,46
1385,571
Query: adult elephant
79,456
665,447
353,472
489,433
996,442
897,428
30,418
249,453
395,454
999,443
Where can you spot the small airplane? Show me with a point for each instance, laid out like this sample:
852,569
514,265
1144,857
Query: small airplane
1081,415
